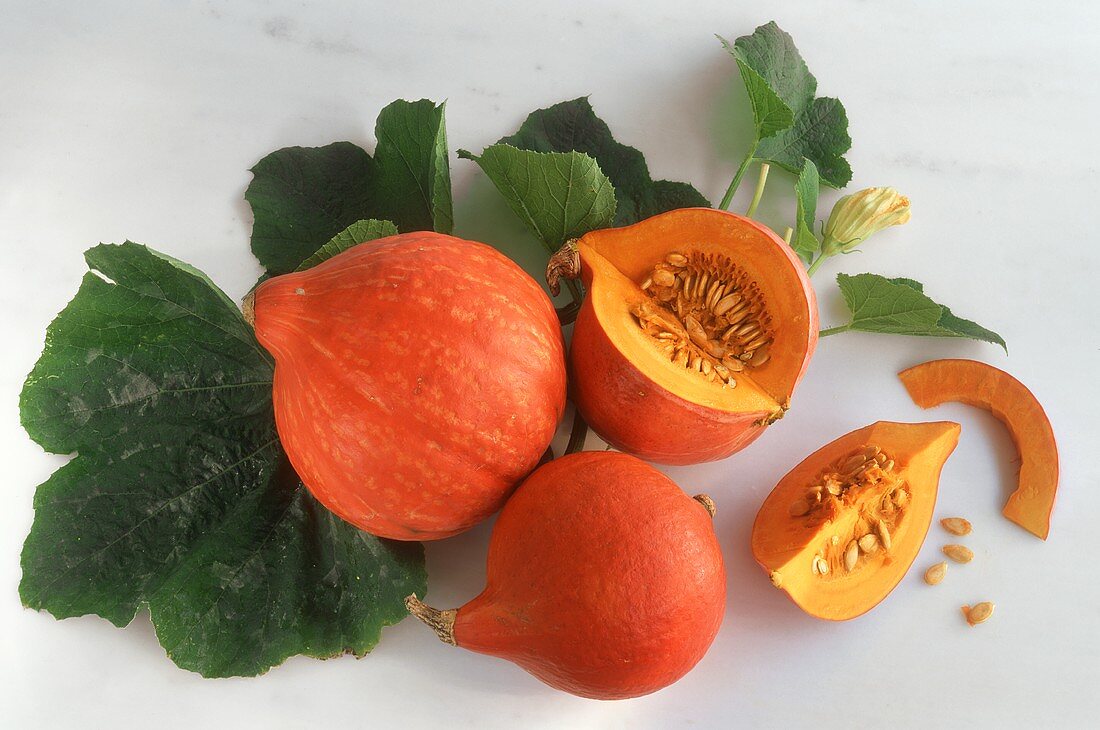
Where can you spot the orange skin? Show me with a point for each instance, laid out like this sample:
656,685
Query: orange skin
604,579
984,386
659,422
418,378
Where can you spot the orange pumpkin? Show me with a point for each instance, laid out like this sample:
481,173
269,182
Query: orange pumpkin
604,580
418,378
984,386
697,326
841,529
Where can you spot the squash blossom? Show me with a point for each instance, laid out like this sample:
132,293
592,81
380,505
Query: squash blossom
857,216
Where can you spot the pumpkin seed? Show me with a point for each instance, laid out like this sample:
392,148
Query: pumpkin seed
798,508
821,566
956,525
883,535
663,277
868,543
935,574
677,259
958,553
851,555
978,613
776,578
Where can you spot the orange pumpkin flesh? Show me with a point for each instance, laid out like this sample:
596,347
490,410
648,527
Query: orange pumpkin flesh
984,386
901,496
636,397
418,378
604,580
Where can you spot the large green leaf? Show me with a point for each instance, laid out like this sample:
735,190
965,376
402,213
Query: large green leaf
179,497
900,306
817,128
572,126
559,195
303,196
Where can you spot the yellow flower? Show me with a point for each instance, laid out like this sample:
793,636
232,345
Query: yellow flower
857,216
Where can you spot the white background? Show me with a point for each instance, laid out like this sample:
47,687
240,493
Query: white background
117,123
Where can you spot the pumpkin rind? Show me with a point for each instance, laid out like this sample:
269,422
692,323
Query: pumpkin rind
418,378
984,386
784,546
632,396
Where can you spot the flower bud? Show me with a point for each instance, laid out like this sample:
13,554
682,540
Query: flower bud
855,217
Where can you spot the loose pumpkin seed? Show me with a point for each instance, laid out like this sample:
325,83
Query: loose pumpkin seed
935,574
958,553
956,525
821,565
978,613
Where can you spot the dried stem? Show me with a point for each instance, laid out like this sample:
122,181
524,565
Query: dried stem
248,308
707,503
441,622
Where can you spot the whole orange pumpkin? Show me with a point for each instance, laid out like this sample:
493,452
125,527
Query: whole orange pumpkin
418,378
604,580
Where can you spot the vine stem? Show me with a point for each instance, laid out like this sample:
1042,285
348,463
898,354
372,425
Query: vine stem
814,266
732,189
759,192
574,291
787,234
834,330
578,434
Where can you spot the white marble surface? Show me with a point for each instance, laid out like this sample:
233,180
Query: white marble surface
123,123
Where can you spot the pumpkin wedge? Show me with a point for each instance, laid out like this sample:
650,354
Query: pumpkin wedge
697,326
984,386
842,528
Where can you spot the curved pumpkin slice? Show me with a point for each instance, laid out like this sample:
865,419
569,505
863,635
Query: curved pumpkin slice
842,528
984,386
697,327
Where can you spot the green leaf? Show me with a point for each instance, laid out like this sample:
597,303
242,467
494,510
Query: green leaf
559,195
805,242
572,126
303,196
818,129
900,306
179,497
353,235
414,185
769,113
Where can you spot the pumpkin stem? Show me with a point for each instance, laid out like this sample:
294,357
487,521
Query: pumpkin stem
565,264
248,308
707,503
441,622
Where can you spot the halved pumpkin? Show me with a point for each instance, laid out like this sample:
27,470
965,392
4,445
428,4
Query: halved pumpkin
697,327
984,386
842,528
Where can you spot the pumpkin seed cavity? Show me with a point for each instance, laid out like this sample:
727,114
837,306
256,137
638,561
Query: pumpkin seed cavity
867,482
705,314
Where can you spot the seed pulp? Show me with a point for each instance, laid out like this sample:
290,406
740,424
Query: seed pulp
705,314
